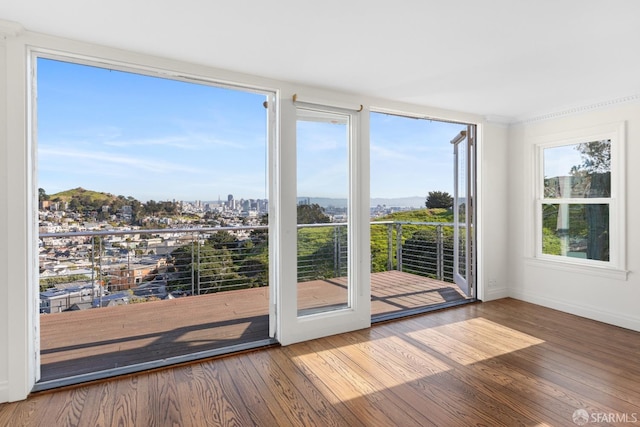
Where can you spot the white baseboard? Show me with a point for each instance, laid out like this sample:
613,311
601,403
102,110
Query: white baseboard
4,391
590,312
492,294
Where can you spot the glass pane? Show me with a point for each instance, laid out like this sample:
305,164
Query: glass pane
160,189
578,170
323,192
461,207
576,230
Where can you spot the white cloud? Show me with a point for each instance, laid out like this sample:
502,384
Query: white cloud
168,141
66,155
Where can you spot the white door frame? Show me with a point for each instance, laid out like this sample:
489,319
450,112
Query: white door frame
466,141
291,327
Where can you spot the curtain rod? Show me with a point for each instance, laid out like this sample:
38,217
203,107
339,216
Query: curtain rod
300,100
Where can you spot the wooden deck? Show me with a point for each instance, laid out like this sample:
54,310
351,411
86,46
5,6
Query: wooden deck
81,342
500,363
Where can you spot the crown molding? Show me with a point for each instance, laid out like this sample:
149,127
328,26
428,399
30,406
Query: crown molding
579,109
10,29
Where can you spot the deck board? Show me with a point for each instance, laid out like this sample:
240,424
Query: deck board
80,342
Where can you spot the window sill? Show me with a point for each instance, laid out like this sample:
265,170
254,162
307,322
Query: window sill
608,272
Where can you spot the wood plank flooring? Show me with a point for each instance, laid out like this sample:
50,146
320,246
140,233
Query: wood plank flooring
81,342
500,363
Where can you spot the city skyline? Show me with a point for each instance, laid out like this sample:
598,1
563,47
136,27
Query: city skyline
409,201
159,139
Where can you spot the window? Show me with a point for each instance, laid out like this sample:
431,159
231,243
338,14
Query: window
579,199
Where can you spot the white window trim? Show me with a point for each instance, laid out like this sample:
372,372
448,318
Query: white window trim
616,266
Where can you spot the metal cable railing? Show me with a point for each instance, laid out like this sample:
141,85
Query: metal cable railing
421,248
322,251
117,267
120,267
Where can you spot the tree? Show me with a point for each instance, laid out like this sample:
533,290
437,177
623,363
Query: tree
223,239
42,194
213,269
596,164
151,207
439,199
75,205
596,156
312,214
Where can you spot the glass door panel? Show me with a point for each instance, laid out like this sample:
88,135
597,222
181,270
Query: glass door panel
324,290
322,211
462,209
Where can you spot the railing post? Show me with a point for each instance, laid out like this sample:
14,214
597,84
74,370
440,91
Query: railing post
93,267
198,262
130,278
389,247
399,246
100,275
193,292
440,252
336,250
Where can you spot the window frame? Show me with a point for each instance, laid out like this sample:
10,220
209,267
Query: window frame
155,69
616,201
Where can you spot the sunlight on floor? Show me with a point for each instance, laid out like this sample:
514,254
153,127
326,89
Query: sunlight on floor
369,367
363,369
474,340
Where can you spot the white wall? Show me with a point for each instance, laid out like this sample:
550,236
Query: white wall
609,299
4,319
18,266
18,304
493,215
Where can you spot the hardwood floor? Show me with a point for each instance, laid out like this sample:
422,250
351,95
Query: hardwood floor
499,363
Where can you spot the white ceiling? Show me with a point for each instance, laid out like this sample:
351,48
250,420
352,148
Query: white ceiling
509,58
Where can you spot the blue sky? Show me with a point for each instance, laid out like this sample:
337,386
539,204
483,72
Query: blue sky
322,160
558,161
161,139
410,157
146,137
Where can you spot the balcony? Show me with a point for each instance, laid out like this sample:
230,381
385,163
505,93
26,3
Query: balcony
125,298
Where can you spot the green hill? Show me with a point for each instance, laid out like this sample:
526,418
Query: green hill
90,197
420,215
81,200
